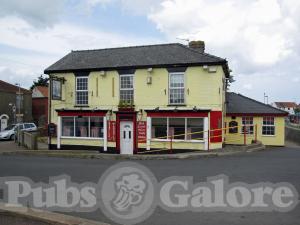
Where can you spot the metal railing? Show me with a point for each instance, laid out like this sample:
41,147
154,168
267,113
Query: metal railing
207,136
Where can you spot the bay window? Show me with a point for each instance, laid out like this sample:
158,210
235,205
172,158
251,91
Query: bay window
159,128
195,128
67,126
268,127
82,127
176,88
96,126
179,128
82,91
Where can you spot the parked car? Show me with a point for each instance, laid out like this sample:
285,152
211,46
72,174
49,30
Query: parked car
9,132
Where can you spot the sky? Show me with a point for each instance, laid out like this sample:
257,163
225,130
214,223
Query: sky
259,38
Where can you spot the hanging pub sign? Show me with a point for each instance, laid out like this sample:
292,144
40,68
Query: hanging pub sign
56,89
51,129
142,131
111,131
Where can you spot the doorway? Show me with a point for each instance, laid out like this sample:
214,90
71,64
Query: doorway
126,137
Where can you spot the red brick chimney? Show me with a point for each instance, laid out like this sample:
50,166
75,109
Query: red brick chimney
197,45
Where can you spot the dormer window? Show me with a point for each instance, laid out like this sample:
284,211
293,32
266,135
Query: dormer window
176,88
82,91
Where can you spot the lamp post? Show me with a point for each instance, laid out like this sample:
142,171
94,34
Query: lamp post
19,102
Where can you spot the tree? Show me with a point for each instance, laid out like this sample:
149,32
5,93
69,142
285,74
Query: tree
41,81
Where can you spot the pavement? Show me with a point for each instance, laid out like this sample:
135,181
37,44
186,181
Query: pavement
281,164
10,148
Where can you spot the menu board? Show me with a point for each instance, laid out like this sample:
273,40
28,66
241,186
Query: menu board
111,131
142,131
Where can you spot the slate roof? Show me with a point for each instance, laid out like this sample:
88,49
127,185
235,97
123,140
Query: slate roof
7,87
240,104
161,55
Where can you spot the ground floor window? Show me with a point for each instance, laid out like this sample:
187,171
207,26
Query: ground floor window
178,128
247,122
233,127
82,127
268,127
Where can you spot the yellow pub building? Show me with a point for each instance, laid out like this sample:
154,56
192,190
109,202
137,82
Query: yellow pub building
142,98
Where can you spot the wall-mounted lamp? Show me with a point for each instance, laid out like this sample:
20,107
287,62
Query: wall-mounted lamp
102,73
195,109
140,115
149,80
109,114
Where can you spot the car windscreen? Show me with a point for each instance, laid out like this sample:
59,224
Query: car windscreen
10,127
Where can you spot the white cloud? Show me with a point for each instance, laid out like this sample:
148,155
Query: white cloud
261,31
39,13
43,47
60,38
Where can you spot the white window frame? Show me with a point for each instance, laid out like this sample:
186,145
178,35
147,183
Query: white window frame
89,128
185,130
169,97
87,90
126,89
268,125
247,125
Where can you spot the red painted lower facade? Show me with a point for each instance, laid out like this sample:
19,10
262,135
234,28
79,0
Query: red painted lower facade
139,127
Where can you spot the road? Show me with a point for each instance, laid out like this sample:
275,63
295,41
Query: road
276,165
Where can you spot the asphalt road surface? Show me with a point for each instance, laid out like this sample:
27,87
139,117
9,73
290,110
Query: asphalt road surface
276,165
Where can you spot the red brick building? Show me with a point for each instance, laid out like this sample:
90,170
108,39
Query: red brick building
40,105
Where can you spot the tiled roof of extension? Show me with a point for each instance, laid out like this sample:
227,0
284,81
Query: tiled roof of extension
7,87
43,90
286,104
240,104
161,55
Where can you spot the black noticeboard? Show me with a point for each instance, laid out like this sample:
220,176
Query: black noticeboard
51,129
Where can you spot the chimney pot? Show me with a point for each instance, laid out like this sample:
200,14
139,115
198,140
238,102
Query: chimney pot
197,45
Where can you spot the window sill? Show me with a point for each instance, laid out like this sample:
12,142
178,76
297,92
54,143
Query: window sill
176,140
266,135
81,106
82,138
177,104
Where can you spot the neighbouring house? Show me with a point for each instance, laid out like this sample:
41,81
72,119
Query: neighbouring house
286,106
15,104
139,98
255,118
40,105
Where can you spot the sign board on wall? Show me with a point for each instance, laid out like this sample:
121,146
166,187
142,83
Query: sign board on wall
111,131
142,131
51,129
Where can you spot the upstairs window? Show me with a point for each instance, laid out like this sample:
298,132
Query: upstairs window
82,91
176,88
126,88
268,127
